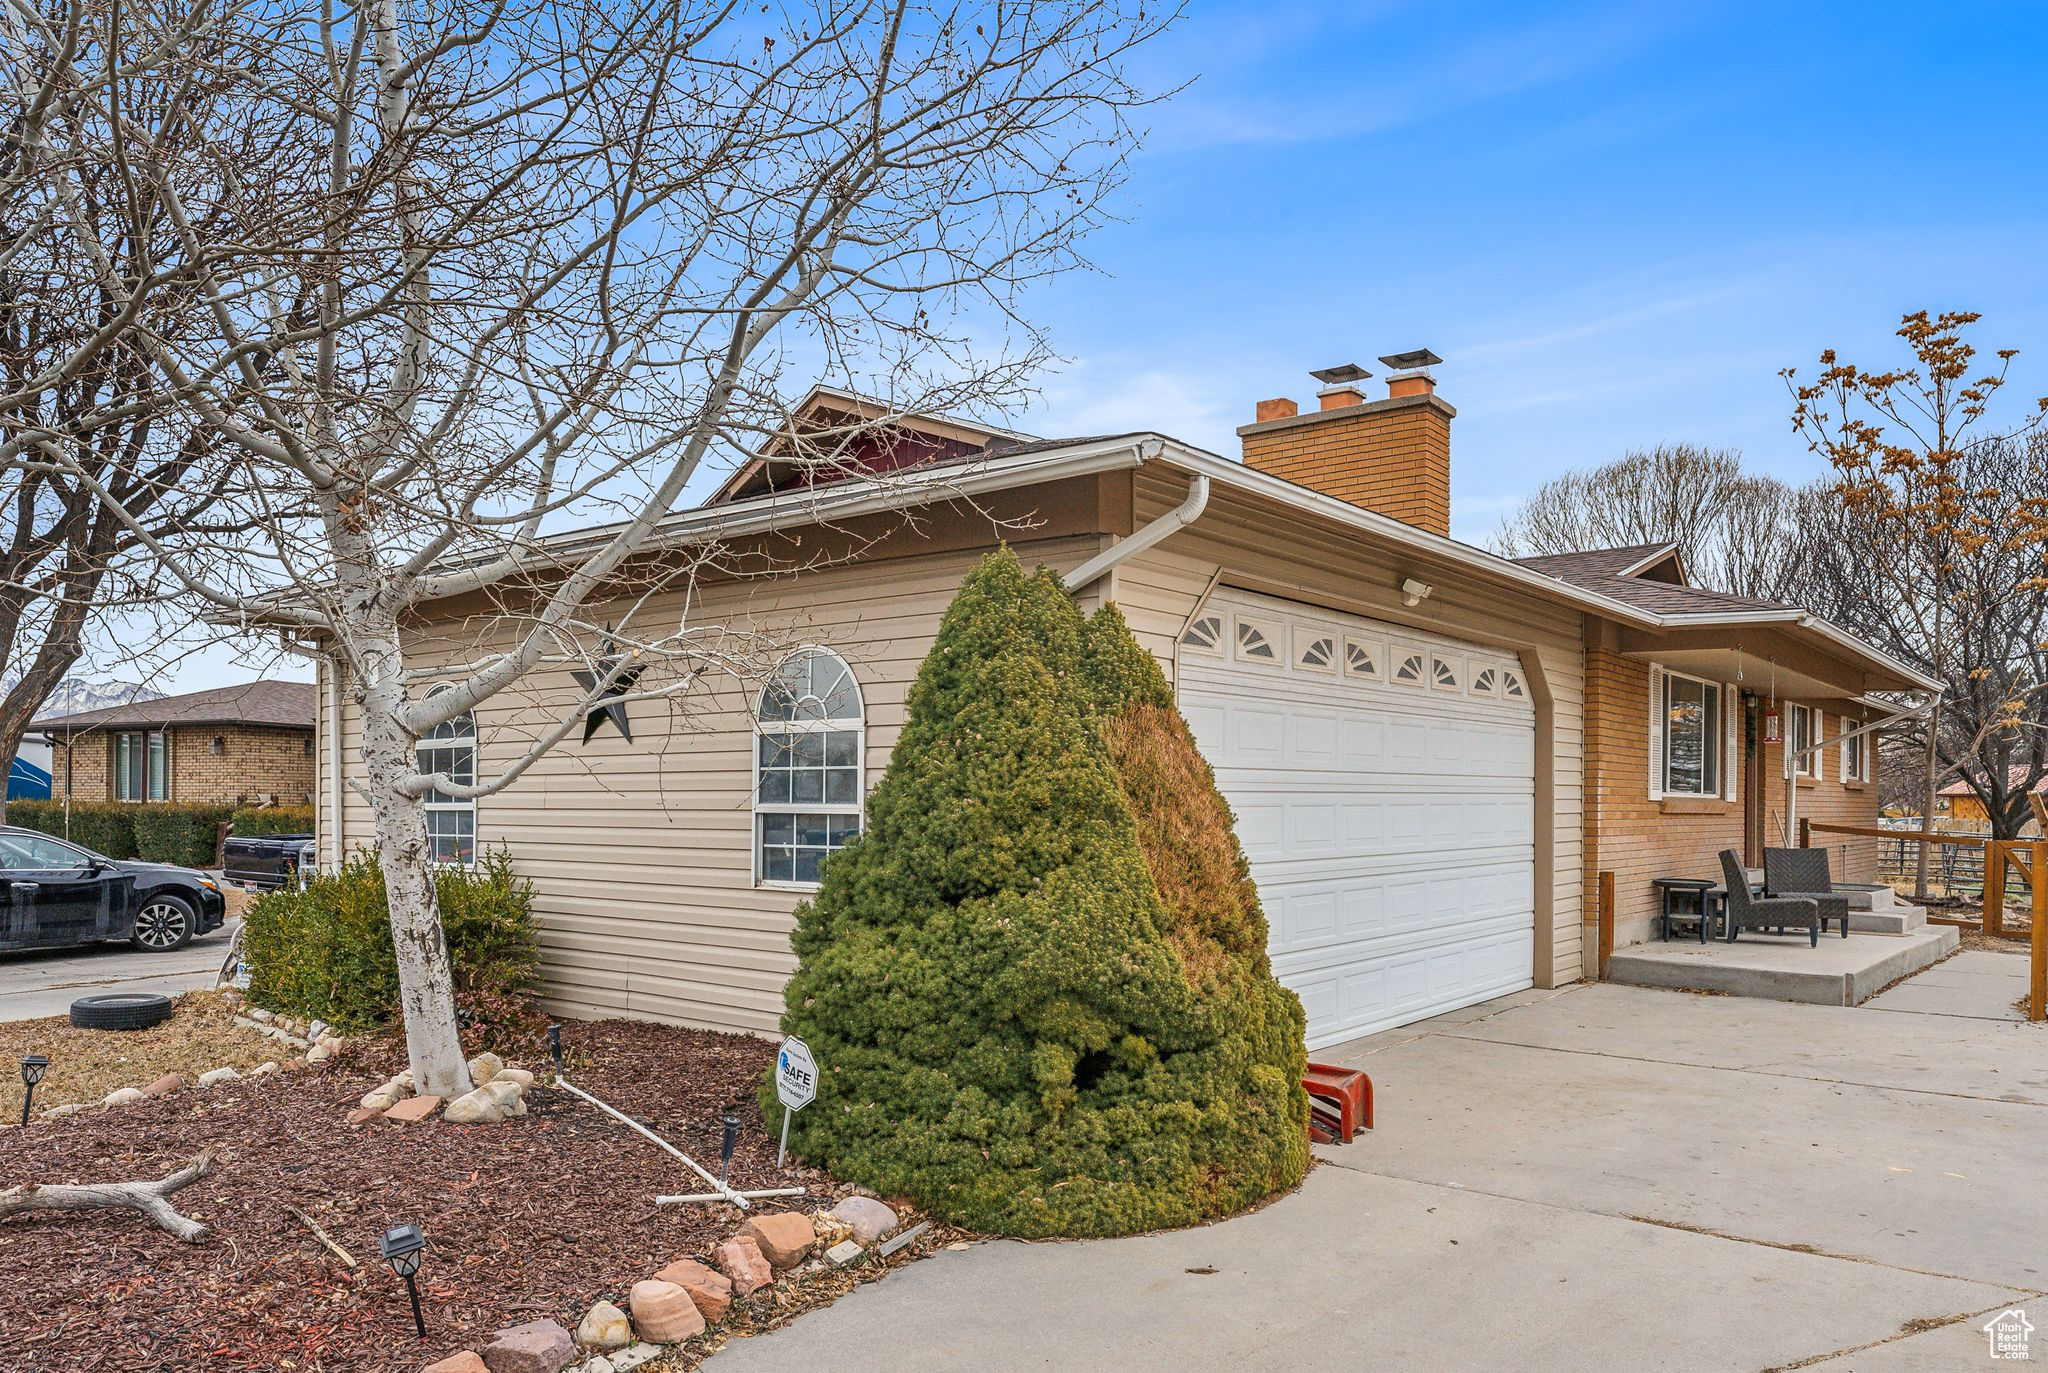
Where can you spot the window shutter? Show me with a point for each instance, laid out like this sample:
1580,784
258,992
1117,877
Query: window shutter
1731,734
1656,732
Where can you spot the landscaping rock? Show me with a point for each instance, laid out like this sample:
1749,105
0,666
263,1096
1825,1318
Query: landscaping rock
518,1075
632,1356
261,1016
59,1112
377,1102
164,1086
477,1107
465,1362
317,1030
709,1288
264,1069
483,1068
600,1364
785,1239
218,1076
868,1218
663,1312
508,1095
535,1347
124,1096
604,1326
740,1259
843,1253
413,1109
319,1053
363,1115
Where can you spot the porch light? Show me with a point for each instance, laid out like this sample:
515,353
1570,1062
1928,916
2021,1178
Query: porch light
32,1069
400,1246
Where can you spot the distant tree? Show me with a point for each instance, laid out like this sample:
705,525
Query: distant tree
1736,530
1935,533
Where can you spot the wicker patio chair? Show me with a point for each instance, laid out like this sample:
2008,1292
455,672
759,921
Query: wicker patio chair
1804,872
1746,912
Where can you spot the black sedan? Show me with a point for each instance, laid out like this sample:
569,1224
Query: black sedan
58,894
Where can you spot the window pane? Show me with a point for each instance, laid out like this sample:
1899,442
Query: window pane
813,829
808,786
844,827
842,748
775,788
841,788
809,749
807,861
1687,737
777,865
774,750
777,829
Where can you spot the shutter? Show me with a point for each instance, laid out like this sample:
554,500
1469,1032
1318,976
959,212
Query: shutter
1731,735
1656,732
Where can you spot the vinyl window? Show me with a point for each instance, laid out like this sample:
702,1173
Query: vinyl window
1687,723
810,742
450,748
1804,728
141,766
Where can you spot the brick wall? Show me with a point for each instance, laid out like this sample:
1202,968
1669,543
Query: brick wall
254,762
1392,456
1638,839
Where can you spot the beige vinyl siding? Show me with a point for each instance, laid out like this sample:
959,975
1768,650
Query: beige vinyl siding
1267,549
641,853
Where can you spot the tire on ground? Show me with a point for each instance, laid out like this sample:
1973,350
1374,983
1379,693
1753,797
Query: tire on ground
120,1011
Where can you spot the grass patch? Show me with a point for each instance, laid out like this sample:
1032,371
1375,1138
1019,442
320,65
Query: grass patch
85,1065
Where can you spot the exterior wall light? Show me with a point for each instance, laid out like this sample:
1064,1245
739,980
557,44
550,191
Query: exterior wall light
1414,593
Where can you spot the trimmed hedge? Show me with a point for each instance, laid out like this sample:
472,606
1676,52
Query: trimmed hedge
183,834
256,821
1037,985
325,952
106,827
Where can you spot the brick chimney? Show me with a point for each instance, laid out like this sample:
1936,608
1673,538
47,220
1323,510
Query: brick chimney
1392,456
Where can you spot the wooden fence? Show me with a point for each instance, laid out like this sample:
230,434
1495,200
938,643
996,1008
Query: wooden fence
1996,860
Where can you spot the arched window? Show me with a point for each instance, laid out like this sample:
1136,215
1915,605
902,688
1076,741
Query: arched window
808,787
451,820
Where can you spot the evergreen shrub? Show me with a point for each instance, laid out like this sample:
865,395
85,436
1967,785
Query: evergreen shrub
1037,985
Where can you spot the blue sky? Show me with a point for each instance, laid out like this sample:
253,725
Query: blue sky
1616,222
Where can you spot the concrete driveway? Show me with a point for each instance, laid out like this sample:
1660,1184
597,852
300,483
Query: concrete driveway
34,985
1598,1178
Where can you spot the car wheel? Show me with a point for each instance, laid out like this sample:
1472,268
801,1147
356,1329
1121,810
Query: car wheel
164,922
120,1011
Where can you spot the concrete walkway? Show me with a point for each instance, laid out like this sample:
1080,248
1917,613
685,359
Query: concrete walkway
35,985
1600,1178
1977,984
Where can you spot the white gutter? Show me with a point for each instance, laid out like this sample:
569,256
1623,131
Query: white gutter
1172,522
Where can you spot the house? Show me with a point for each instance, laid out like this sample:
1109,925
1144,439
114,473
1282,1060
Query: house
249,744
1432,751
1957,806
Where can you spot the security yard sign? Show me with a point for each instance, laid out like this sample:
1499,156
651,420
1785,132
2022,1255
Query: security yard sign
796,1085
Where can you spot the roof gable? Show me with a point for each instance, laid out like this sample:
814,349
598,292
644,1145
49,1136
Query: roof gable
290,705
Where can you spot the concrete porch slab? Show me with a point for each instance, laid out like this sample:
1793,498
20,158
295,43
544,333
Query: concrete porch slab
1841,972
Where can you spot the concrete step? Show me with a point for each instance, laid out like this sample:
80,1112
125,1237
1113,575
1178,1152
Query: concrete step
1840,972
1898,919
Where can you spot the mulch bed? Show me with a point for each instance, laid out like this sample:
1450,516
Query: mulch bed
536,1217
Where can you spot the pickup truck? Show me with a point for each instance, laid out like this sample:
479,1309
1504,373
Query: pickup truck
266,862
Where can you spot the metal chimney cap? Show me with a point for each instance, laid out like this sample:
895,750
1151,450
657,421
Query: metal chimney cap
1412,361
1341,374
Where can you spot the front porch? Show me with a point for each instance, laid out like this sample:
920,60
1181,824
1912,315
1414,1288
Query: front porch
1839,972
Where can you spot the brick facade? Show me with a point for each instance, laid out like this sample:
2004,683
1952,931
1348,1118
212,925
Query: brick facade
255,762
1392,456
1639,838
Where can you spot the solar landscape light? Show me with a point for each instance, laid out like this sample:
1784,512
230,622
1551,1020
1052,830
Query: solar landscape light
400,1246
732,1139
32,1069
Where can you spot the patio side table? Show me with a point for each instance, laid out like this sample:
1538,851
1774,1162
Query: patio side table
1685,898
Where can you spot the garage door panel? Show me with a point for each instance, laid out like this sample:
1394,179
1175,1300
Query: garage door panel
1391,828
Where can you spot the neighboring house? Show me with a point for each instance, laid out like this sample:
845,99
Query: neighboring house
1432,751
250,744
1958,807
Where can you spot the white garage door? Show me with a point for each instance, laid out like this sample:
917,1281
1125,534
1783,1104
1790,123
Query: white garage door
1384,784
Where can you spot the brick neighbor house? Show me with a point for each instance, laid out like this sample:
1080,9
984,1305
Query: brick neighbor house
245,745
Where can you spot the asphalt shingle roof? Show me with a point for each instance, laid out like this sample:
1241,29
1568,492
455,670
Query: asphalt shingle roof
1600,570
288,704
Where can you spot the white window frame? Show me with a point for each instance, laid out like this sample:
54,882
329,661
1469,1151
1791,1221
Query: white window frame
155,769
1716,710
1802,765
449,735
1860,744
858,727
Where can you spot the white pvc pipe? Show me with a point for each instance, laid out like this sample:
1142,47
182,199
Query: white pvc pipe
714,1196
723,1192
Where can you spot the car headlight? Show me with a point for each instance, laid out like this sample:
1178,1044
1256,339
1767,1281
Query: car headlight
209,884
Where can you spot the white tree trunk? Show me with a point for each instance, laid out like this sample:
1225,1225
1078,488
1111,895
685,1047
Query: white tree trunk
426,986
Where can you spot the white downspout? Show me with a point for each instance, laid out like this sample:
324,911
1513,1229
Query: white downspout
1172,522
334,789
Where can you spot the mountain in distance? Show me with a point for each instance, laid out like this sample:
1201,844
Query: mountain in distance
75,696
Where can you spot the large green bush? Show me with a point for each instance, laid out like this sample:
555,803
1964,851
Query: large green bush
106,827
184,834
256,821
325,951
1034,1010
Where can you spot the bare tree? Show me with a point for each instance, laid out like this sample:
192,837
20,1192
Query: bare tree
90,261
532,267
1922,539
1735,529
